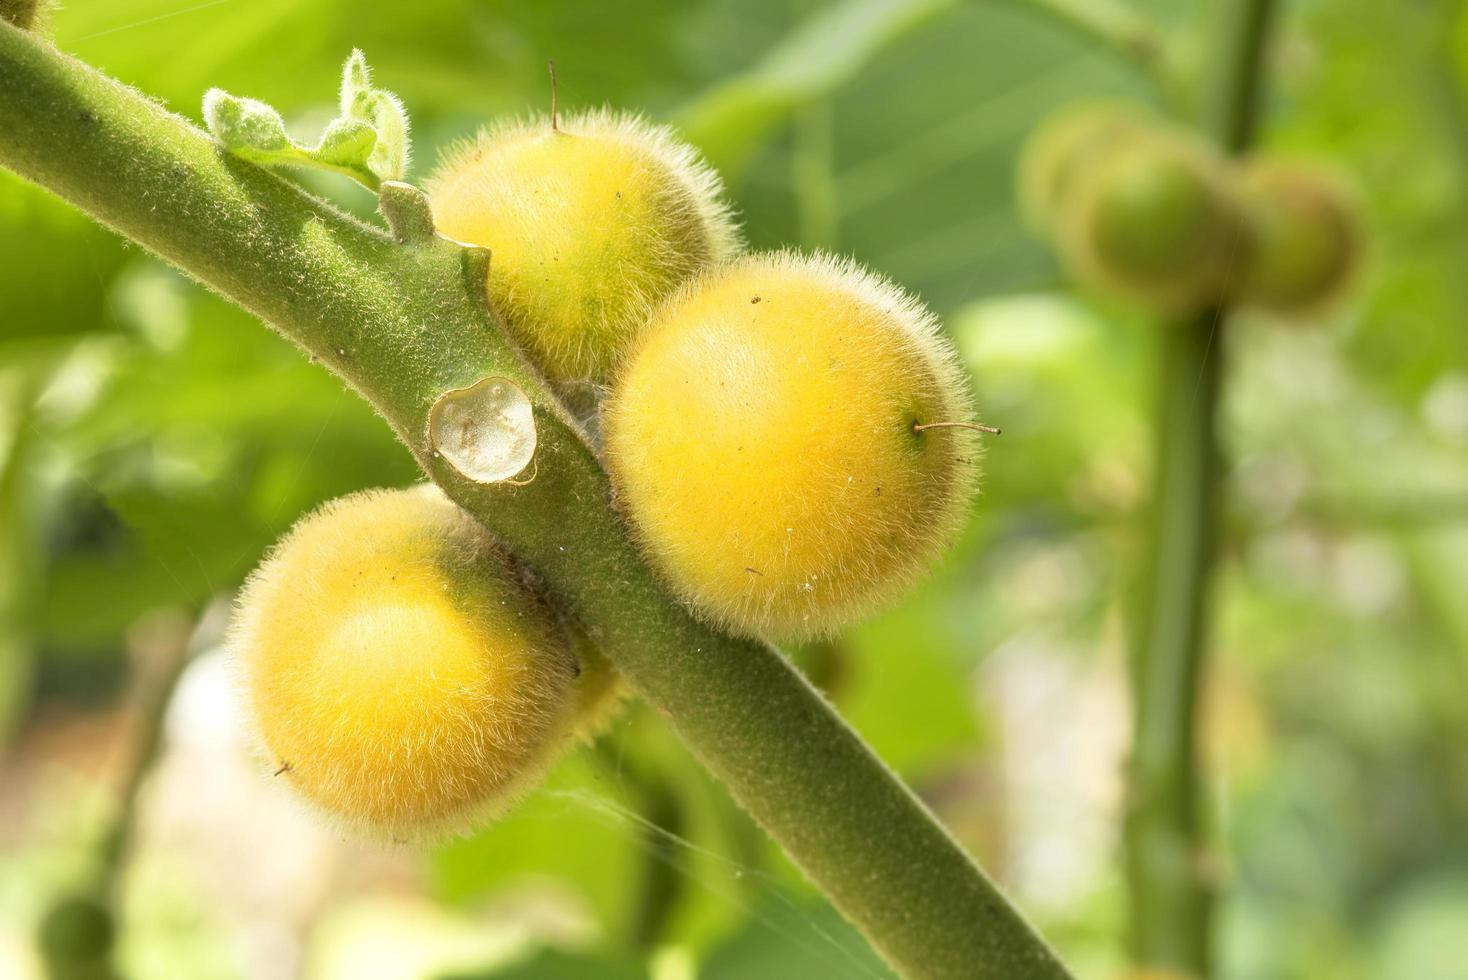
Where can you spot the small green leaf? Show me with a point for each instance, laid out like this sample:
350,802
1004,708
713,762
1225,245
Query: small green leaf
244,125
356,81
346,143
367,141
389,159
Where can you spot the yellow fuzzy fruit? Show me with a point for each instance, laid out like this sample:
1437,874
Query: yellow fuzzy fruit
762,440
399,673
1155,221
1306,237
1058,151
591,224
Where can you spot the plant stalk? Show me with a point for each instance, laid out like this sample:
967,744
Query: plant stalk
405,322
1171,876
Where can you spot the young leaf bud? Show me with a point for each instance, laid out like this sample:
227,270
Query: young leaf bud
788,439
1307,241
592,220
1155,221
400,674
368,141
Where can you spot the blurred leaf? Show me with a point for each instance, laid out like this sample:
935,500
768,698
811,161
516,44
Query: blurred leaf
810,941
1422,935
554,964
729,121
547,836
54,264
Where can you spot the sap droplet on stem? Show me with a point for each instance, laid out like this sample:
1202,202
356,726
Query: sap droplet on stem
486,431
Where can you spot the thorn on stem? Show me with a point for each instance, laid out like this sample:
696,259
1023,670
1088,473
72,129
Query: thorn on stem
555,104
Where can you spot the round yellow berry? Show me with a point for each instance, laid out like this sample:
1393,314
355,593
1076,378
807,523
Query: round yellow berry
400,674
590,224
765,439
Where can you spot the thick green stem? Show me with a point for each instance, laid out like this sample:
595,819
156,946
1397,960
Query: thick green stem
1170,875
1170,883
405,322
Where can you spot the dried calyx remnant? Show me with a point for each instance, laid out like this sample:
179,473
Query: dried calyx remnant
486,431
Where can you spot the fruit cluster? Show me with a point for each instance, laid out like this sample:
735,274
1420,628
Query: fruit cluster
1140,210
788,437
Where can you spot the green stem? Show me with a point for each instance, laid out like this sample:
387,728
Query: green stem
159,667
1170,886
1170,875
1231,104
20,547
663,824
404,323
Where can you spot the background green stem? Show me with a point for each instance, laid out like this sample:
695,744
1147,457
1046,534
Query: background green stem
158,669
1171,877
404,322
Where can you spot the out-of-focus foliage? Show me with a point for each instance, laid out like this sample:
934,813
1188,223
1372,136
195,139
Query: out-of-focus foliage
154,442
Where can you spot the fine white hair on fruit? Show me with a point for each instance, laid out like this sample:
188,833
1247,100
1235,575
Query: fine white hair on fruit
705,186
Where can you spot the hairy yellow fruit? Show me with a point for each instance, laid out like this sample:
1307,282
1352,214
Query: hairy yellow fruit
764,439
1155,221
591,224
1306,238
400,674
1061,148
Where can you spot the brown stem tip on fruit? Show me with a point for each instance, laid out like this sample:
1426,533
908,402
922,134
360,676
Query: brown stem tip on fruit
992,430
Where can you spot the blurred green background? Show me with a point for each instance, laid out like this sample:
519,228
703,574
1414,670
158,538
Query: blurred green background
154,441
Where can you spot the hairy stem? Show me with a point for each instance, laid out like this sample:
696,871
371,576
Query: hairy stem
1169,872
403,323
